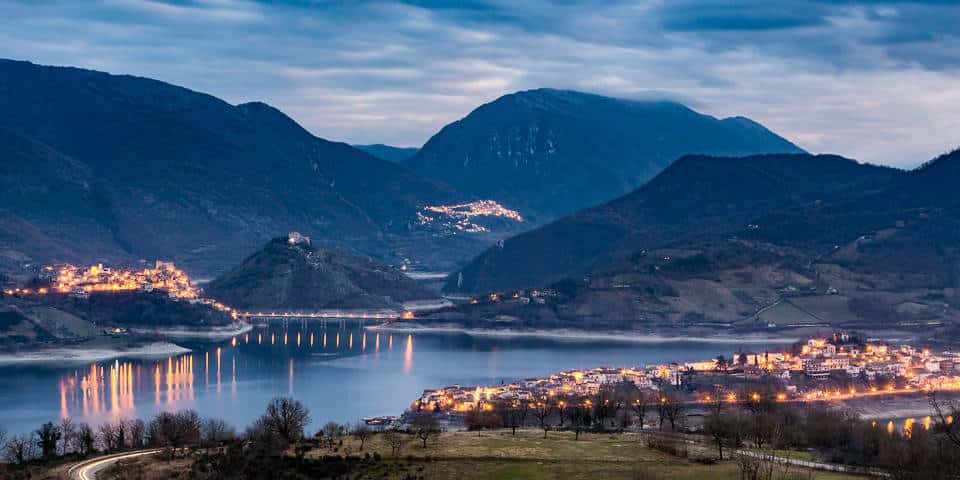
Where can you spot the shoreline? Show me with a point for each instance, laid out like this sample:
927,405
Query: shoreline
584,335
90,355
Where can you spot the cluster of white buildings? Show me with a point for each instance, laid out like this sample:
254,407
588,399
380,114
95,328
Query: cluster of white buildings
875,367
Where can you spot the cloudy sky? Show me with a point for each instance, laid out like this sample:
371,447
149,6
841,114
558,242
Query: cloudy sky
876,81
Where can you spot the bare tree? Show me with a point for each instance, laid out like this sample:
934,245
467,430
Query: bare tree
332,432
580,419
361,432
68,439
137,436
21,449
718,426
216,431
948,418
604,405
86,440
562,407
624,419
48,438
425,426
396,439
509,411
639,404
286,418
541,411
3,439
109,436
760,405
522,410
174,430
672,410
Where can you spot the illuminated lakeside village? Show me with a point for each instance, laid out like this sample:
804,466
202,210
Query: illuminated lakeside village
839,368
80,282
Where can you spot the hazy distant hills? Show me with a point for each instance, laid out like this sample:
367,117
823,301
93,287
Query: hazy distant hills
694,196
551,152
389,153
129,166
841,245
298,276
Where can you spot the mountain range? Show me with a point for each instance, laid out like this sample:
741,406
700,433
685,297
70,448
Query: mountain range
117,168
547,153
693,196
762,241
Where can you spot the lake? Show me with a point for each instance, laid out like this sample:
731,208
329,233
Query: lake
341,372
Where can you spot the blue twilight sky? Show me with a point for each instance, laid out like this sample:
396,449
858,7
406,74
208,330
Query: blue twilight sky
877,81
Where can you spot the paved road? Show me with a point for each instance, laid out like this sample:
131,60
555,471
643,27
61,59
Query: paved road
87,469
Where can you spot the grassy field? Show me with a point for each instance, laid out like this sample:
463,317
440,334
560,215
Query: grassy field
500,455
61,324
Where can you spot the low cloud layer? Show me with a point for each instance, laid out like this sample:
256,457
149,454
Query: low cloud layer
876,81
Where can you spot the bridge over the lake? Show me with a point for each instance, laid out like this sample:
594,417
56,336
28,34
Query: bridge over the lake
329,314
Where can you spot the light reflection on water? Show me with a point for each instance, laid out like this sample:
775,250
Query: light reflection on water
907,425
342,373
107,391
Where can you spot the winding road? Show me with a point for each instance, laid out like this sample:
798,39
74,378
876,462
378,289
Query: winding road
88,469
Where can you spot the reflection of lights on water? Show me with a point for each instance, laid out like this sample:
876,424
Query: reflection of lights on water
290,386
109,389
408,356
156,385
218,372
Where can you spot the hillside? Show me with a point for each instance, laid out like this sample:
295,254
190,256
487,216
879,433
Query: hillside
293,275
696,195
388,153
60,320
549,152
863,258
136,168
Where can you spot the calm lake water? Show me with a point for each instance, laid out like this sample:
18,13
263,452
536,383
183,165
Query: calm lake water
341,372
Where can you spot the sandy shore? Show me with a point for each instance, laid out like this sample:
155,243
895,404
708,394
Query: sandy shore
88,355
582,335
212,333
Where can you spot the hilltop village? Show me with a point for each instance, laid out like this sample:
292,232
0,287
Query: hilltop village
80,282
836,368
